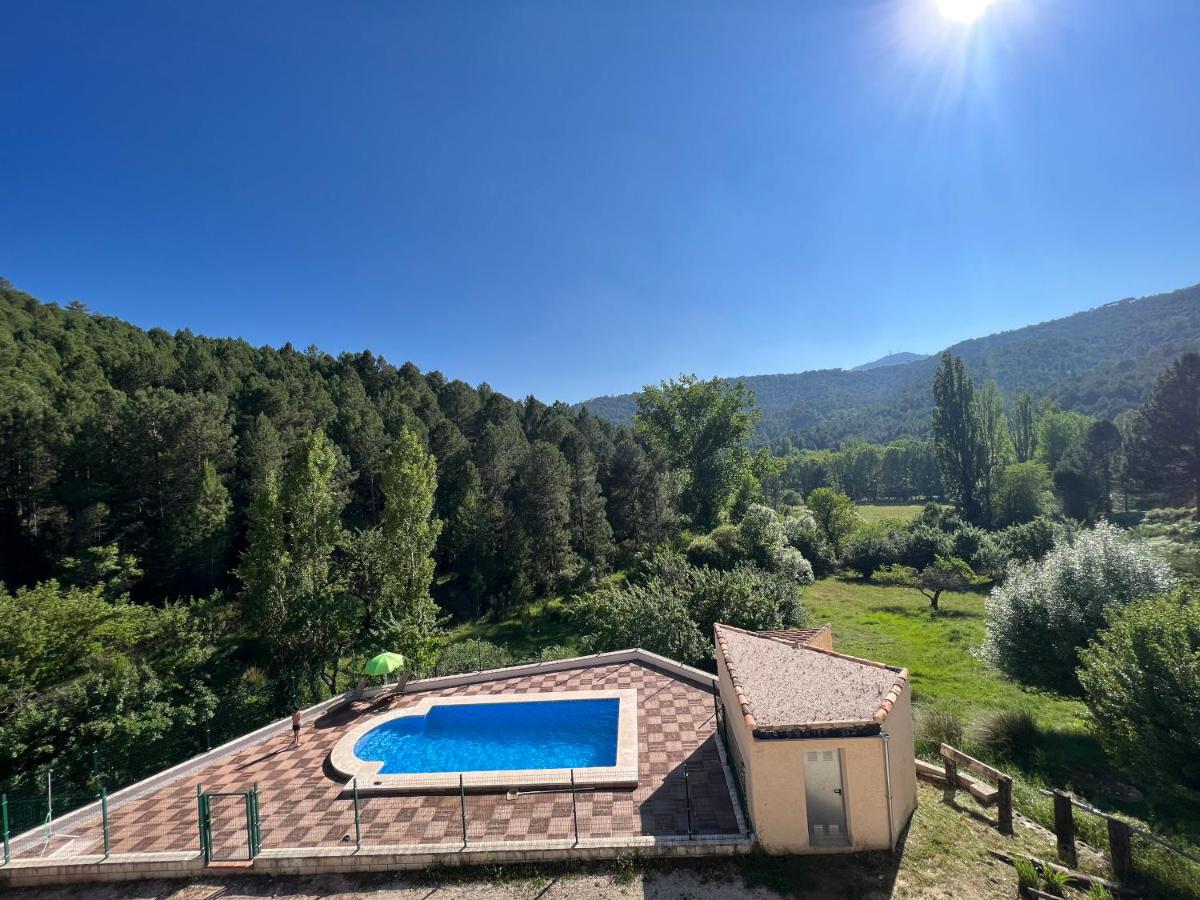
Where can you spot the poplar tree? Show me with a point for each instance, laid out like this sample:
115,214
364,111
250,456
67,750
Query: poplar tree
956,432
1023,426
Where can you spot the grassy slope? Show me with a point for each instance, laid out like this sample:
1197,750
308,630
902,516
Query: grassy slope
894,625
525,631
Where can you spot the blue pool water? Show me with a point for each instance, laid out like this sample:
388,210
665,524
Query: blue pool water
490,737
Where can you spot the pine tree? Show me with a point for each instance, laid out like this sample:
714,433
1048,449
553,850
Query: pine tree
591,535
542,507
1166,454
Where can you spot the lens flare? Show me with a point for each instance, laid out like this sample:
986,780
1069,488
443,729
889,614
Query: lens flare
964,11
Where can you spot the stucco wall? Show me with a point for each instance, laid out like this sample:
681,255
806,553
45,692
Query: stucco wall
775,779
899,727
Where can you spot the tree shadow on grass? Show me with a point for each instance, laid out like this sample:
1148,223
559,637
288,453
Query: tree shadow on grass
924,612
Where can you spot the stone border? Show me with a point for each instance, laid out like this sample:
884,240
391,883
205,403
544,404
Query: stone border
624,773
316,861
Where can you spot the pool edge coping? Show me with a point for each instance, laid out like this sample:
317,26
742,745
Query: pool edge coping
624,773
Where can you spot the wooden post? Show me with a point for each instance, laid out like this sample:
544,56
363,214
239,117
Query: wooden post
1120,850
951,775
1064,828
1004,804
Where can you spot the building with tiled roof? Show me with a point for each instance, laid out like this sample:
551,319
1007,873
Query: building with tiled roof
824,741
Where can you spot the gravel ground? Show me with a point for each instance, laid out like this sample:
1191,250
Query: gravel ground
678,883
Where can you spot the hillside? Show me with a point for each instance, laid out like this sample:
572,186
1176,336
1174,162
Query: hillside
1100,361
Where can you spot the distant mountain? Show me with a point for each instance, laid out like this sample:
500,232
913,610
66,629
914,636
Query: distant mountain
892,359
1100,362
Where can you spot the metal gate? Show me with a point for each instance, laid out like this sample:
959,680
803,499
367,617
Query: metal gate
825,800
230,827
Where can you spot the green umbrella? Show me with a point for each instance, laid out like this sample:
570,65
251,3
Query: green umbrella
384,663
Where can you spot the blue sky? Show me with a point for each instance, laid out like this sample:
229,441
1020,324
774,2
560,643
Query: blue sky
572,198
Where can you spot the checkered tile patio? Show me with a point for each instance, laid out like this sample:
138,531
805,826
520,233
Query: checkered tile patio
303,803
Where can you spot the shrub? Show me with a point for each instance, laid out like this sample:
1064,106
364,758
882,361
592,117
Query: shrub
553,652
759,539
1142,680
1055,882
672,607
979,549
1027,874
1009,734
935,727
472,656
803,535
1031,541
653,615
874,546
925,543
1098,892
718,549
1044,613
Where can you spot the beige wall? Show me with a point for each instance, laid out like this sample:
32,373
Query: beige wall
775,779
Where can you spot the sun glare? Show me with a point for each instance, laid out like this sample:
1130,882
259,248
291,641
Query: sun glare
965,11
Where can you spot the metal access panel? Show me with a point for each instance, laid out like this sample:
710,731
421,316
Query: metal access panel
825,798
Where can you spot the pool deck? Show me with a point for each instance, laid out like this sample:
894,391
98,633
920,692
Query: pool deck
304,804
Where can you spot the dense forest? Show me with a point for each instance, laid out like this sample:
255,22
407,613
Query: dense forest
1100,362
157,443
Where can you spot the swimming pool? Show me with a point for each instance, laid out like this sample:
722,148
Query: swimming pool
493,737
513,740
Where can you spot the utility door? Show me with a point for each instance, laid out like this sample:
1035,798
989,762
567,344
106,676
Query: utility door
825,799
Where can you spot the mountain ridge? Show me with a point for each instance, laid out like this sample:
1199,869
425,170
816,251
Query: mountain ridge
1100,361
892,359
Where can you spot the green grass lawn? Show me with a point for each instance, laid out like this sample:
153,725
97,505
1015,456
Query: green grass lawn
875,512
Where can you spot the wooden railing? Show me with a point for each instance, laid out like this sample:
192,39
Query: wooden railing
1001,795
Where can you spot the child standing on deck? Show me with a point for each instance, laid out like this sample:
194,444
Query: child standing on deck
296,728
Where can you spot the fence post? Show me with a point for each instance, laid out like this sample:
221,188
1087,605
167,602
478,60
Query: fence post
205,847
462,805
4,823
255,818
357,827
1120,849
951,777
104,817
1064,828
574,810
1004,805
208,734
687,792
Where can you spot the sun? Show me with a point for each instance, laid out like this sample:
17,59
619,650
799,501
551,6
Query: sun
964,11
